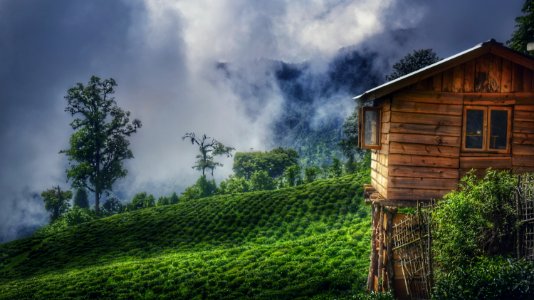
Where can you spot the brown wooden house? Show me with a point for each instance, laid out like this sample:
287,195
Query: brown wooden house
426,129
473,110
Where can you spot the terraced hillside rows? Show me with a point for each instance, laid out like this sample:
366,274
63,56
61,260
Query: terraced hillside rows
307,241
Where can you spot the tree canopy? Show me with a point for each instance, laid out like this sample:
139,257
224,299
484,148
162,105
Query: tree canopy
273,162
524,28
99,143
81,199
56,202
412,62
208,148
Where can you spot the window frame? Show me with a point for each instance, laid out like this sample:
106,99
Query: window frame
486,129
361,138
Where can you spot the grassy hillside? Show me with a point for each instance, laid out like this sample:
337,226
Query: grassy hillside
312,240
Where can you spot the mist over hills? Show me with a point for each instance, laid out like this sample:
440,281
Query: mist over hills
315,101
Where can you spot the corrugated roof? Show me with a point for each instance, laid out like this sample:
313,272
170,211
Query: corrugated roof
490,46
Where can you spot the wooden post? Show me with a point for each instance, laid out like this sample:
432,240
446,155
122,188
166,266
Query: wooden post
381,250
518,199
373,258
389,249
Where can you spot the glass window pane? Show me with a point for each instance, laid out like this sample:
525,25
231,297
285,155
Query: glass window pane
498,129
474,133
371,127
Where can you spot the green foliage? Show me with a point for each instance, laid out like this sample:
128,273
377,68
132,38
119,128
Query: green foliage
234,185
261,181
168,200
99,143
273,162
474,228
201,189
141,200
488,278
336,169
311,174
77,215
478,219
72,217
412,62
174,198
208,148
292,176
56,202
112,206
310,241
524,28
81,199
349,142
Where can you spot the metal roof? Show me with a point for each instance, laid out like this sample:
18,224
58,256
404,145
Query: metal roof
490,46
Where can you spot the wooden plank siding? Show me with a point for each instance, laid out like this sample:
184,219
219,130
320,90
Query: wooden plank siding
486,74
421,155
424,141
523,138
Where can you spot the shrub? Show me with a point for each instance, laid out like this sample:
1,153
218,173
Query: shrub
77,215
112,206
141,200
202,188
260,181
474,232
478,219
488,278
233,185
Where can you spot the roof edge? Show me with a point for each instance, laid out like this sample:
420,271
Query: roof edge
490,46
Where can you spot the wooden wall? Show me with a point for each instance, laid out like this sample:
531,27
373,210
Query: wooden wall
424,145
486,74
379,158
421,156
523,138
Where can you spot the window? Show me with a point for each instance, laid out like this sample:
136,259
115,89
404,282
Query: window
487,129
370,128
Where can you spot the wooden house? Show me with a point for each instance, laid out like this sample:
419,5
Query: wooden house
425,130
428,128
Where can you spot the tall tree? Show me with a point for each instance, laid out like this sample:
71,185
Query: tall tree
524,28
56,202
413,62
274,162
99,144
208,148
349,142
81,199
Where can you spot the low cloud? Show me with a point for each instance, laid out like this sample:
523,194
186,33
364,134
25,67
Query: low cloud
182,66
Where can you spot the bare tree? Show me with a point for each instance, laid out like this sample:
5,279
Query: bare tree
208,148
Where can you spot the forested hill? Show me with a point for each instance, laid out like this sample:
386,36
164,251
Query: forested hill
308,241
315,103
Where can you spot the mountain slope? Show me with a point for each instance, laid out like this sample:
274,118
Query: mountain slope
306,241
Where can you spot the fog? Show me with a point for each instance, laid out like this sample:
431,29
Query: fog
166,58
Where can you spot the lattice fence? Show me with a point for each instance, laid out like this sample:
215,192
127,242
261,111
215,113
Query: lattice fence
411,243
525,209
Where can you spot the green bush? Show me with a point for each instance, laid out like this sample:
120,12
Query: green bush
77,215
474,231
478,219
488,278
234,185
201,189
72,217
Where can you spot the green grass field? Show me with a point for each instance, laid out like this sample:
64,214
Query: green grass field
311,241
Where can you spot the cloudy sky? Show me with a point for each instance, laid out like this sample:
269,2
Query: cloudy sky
162,54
